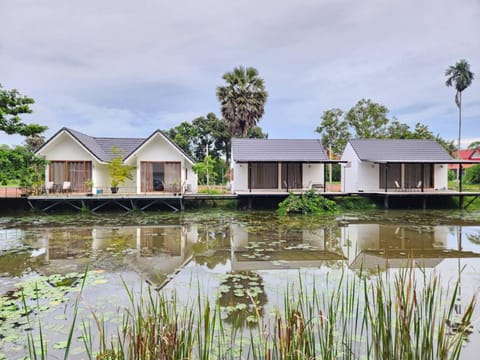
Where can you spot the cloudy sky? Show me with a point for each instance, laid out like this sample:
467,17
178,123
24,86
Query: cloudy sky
124,68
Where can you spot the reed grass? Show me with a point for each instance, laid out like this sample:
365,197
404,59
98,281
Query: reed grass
396,316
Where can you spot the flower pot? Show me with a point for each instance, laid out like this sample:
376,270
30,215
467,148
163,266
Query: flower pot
114,190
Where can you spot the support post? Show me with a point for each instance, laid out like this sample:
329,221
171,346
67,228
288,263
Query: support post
460,176
386,179
288,180
423,179
324,177
249,177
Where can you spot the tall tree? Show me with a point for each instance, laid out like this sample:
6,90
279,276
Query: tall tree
460,77
474,145
334,131
242,99
368,119
12,105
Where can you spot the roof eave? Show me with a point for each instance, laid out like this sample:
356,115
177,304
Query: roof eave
67,131
166,138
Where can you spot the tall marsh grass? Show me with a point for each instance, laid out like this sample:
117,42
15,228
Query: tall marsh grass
399,316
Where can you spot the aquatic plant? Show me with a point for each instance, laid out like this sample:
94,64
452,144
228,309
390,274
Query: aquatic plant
307,203
350,318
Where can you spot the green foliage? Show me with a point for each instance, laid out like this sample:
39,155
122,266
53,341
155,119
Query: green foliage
334,130
369,120
356,317
474,145
119,172
459,76
19,164
242,99
451,175
12,105
307,203
472,174
205,169
355,203
336,172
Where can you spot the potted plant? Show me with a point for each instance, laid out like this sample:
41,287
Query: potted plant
176,187
119,172
88,187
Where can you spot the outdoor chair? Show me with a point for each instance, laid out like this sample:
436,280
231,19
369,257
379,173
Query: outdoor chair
419,185
49,187
397,186
67,186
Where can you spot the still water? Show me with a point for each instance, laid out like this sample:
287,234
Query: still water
191,251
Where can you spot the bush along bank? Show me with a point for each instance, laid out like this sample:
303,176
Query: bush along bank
311,202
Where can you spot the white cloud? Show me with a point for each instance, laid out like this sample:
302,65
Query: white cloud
89,64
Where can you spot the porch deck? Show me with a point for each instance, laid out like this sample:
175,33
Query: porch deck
176,202
95,202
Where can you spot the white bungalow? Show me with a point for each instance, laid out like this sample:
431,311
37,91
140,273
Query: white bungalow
76,159
274,165
375,165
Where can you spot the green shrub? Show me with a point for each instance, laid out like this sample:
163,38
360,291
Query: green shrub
472,174
355,203
307,203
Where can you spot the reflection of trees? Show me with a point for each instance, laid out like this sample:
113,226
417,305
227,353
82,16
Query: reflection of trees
212,246
16,263
237,291
474,238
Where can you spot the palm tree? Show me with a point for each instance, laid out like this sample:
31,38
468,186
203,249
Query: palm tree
461,77
242,99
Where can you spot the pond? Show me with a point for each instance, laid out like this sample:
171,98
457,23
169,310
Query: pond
200,252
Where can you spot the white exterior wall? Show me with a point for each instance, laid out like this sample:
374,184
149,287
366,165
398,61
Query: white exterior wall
101,178
440,180
240,177
368,176
313,174
365,176
349,171
159,149
64,148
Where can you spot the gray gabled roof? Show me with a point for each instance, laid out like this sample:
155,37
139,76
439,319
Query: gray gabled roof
288,150
393,150
101,147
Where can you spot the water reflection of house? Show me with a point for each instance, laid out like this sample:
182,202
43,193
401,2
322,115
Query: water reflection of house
154,251
380,246
161,250
68,243
283,249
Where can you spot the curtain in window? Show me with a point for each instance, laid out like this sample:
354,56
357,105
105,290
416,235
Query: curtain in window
146,169
160,176
292,175
172,175
77,172
264,175
394,174
58,172
413,174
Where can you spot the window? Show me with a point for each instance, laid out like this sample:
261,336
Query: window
292,175
263,175
77,172
160,176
